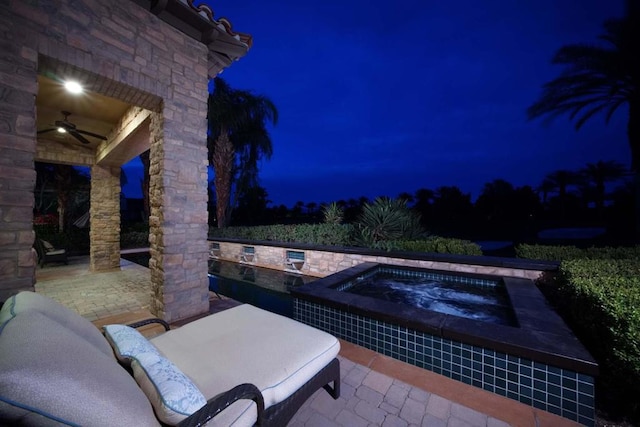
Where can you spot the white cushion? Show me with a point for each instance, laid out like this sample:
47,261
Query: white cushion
31,301
173,396
56,252
245,344
128,343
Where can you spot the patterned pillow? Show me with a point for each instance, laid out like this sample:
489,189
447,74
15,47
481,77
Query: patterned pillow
128,343
171,393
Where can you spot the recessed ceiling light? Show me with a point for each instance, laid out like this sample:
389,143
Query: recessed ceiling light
73,87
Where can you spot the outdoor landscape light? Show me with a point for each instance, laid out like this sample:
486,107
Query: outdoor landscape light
73,87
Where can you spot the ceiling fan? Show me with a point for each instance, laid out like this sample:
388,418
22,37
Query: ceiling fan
70,128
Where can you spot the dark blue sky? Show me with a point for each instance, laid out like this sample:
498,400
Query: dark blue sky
376,98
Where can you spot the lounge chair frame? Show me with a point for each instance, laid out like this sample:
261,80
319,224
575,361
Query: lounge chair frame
44,256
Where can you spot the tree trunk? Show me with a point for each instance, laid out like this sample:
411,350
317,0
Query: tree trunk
562,194
61,214
145,159
600,196
222,160
633,132
63,183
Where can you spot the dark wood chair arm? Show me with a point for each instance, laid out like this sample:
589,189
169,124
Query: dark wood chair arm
146,322
217,404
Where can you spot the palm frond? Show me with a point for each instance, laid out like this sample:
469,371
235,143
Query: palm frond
595,79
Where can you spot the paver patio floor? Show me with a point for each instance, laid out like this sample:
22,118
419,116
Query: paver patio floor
375,391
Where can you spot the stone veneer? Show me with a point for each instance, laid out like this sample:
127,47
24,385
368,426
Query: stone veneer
104,217
323,261
118,49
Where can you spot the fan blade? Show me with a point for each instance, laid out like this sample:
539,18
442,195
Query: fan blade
64,124
77,136
46,130
95,135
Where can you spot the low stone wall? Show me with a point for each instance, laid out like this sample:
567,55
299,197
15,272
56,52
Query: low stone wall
324,261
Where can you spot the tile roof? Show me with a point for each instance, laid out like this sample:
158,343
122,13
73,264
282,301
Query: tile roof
197,21
223,24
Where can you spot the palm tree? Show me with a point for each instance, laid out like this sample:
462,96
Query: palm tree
495,201
545,188
600,79
561,180
238,139
599,174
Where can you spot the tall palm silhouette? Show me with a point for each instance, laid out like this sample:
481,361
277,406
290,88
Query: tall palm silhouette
599,174
237,140
600,79
561,180
546,187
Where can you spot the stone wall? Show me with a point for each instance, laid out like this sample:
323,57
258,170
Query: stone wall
321,263
18,88
118,49
54,152
105,218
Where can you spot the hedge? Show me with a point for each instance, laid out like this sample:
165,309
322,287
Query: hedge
316,234
561,253
342,235
601,301
436,244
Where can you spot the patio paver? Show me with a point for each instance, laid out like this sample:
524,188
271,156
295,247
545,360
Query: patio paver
375,390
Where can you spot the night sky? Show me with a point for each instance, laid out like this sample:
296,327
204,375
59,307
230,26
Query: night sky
378,98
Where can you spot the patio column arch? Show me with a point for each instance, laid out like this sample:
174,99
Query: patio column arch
160,66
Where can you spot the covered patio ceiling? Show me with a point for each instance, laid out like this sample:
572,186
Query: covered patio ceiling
96,113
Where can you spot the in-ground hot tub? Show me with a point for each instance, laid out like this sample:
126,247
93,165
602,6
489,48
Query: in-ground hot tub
534,359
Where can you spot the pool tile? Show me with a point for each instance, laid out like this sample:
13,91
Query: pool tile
507,375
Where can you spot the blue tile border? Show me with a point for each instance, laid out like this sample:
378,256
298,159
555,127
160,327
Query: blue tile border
556,390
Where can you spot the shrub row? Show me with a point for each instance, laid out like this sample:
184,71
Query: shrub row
342,235
436,244
601,301
561,253
316,234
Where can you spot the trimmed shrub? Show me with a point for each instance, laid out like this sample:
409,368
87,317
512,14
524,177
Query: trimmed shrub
561,253
342,235
601,302
316,234
436,244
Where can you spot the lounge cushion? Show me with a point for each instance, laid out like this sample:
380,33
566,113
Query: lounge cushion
245,344
52,376
128,343
173,396
25,301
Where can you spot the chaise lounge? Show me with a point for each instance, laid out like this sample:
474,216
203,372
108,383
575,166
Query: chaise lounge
48,253
240,367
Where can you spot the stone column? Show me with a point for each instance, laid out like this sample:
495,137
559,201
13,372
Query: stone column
178,220
18,87
105,218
